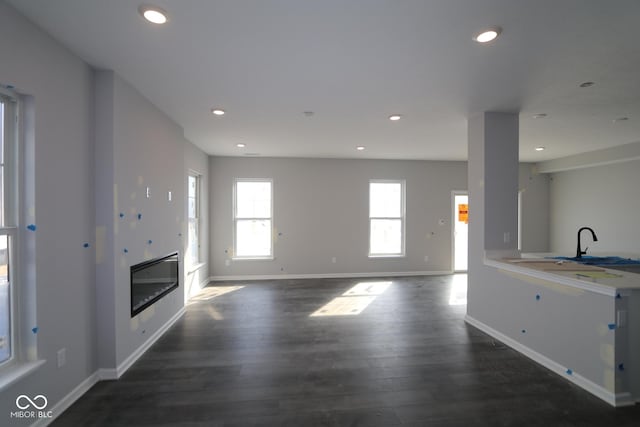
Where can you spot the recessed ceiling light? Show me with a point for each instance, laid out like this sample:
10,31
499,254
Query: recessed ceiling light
218,111
587,84
153,14
540,116
488,35
360,147
395,117
539,148
241,145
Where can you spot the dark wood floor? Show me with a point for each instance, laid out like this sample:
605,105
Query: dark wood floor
254,357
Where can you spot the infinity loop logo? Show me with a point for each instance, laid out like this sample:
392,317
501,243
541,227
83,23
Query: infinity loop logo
20,402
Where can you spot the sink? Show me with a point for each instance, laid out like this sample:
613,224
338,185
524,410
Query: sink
604,261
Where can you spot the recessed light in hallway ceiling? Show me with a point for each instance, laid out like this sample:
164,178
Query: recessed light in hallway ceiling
539,148
153,14
395,117
218,112
487,35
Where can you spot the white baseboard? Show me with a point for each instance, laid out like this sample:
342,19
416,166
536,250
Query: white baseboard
106,373
133,357
326,275
68,400
613,399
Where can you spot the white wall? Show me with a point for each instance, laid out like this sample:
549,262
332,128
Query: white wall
321,211
605,198
534,187
60,203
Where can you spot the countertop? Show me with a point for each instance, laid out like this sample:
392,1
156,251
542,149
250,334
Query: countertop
595,279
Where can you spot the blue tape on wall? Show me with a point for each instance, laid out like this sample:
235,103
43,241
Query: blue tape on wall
149,241
538,297
524,331
569,372
31,227
34,330
618,296
121,215
612,326
86,245
125,250
139,216
621,367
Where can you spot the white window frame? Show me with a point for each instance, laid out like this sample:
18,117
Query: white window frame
402,217
235,221
24,352
195,263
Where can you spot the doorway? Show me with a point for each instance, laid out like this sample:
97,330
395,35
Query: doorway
460,231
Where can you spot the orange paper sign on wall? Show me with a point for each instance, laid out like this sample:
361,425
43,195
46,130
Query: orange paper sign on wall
463,213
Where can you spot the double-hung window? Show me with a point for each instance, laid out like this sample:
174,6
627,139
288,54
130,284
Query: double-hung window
386,218
8,225
193,214
253,218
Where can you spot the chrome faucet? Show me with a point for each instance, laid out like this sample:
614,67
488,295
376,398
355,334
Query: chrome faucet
580,252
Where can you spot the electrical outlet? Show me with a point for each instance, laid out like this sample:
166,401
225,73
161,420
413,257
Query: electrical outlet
62,357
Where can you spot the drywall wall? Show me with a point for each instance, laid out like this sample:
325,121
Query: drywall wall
606,198
562,327
321,212
534,190
146,162
60,202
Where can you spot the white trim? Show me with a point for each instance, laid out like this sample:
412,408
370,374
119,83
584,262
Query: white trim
328,275
612,398
114,374
455,193
402,218
64,403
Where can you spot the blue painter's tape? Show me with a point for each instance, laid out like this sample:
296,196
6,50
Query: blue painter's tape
538,297
569,372
612,326
139,217
86,245
126,251
149,241
621,367
34,330
524,331
121,215
618,296
31,227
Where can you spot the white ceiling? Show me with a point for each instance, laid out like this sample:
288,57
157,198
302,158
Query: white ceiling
355,62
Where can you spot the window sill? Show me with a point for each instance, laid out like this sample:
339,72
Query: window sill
195,267
13,373
254,258
387,256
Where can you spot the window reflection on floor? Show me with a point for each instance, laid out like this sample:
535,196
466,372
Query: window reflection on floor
354,301
458,294
211,292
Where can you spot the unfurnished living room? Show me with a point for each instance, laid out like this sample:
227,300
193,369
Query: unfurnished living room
319,213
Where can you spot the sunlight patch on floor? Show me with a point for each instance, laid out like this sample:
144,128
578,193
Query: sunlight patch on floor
354,301
211,292
458,294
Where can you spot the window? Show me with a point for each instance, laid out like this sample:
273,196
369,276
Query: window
253,216
193,215
386,218
8,229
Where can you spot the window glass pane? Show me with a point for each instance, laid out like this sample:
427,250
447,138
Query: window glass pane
386,236
253,200
385,199
5,302
2,169
192,208
192,186
192,244
253,237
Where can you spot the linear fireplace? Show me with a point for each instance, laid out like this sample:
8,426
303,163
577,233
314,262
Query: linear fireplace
151,280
